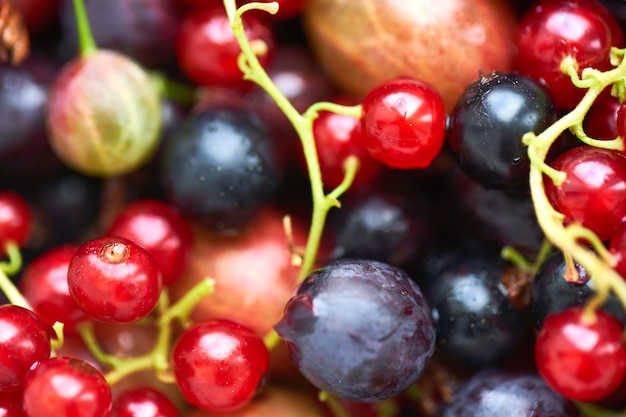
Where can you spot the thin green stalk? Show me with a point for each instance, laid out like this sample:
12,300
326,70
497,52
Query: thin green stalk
302,123
86,42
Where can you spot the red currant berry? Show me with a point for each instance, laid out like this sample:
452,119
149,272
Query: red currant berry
161,230
114,280
207,50
580,360
66,387
15,219
555,29
602,118
338,136
219,364
44,285
617,247
11,404
24,341
143,402
594,191
403,123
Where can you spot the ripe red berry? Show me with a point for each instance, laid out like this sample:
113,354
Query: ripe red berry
207,50
594,191
143,402
11,404
554,29
15,219
44,285
338,136
114,280
161,230
219,364
404,123
583,361
66,387
24,341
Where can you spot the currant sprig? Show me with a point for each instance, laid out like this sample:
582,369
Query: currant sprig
303,124
596,260
159,357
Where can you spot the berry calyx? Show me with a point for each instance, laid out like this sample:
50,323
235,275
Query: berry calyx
114,280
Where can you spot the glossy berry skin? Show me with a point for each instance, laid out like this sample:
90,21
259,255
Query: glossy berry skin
594,191
573,354
552,293
207,50
143,402
338,136
403,123
15,219
44,285
160,229
114,280
487,125
24,342
66,387
359,329
554,29
11,404
498,393
471,309
219,364
219,168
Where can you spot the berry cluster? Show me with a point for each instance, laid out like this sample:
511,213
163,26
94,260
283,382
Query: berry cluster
217,208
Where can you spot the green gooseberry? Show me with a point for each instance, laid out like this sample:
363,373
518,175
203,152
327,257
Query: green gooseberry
104,115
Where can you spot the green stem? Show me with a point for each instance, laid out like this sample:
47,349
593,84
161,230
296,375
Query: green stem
87,43
177,92
550,220
11,267
303,125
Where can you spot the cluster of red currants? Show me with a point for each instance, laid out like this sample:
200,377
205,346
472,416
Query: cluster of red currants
221,283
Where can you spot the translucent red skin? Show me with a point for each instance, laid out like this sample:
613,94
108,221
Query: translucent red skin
11,404
114,292
15,219
207,50
583,362
338,136
143,402
24,341
403,123
44,285
161,230
219,364
554,29
597,201
83,392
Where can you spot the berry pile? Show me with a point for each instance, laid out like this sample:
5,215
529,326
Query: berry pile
314,208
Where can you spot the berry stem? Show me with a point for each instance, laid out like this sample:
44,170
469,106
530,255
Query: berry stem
596,261
177,92
158,358
87,44
11,267
302,123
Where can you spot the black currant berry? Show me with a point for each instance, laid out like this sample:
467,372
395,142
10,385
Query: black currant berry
487,125
359,329
477,325
219,168
552,293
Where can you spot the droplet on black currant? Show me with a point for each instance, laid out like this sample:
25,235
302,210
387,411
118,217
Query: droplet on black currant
487,125
219,168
